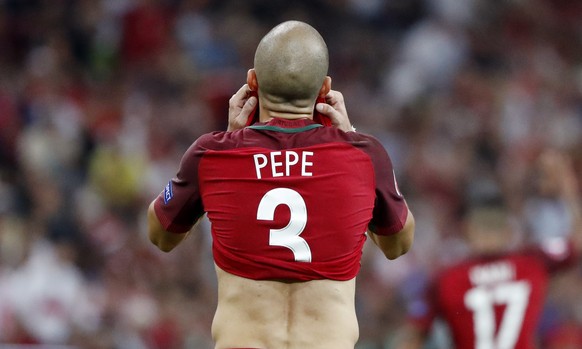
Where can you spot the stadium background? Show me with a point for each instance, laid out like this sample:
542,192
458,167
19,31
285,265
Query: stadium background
99,99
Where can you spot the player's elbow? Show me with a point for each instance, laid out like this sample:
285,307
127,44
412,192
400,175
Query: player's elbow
400,243
394,246
397,251
164,247
158,241
165,241
156,233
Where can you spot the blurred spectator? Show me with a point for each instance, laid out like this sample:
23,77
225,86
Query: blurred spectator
145,29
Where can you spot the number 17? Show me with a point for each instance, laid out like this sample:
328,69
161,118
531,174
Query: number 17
481,300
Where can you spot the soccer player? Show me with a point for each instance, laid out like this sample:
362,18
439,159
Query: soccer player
494,299
289,200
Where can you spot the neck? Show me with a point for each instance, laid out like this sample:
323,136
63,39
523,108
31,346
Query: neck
287,116
268,114
269,110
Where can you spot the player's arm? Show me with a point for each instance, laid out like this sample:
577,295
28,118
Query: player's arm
163,239
392,225
395,245
178,207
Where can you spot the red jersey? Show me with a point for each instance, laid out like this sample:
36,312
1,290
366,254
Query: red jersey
493,302
287,199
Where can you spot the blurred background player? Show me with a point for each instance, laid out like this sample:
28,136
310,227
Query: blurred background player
290,202
495,298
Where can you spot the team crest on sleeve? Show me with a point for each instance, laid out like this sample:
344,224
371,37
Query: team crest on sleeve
168,193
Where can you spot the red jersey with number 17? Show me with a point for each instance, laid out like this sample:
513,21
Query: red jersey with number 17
287,199
494,302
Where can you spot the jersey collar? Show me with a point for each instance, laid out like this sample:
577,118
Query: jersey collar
286,125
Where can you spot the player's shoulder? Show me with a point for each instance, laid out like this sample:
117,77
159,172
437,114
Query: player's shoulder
363,141
369,144
362,137
217,140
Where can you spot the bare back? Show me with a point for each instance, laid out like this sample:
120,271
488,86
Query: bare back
317,314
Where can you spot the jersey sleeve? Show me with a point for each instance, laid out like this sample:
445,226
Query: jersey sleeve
390,209
179,205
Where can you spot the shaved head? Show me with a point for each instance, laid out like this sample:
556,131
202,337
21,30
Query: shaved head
291,63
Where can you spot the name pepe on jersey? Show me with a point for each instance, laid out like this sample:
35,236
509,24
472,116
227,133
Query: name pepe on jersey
283,163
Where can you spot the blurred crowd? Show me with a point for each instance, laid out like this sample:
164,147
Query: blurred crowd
100,98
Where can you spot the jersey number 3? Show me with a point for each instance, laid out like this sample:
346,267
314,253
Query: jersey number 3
288,236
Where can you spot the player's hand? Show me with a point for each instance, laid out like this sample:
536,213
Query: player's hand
335,109
240,106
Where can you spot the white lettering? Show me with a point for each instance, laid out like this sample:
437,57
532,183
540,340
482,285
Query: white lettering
290,162
305,163
275,164
260,165
283,163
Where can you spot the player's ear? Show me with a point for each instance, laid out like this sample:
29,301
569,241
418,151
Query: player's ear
325,87
252,80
